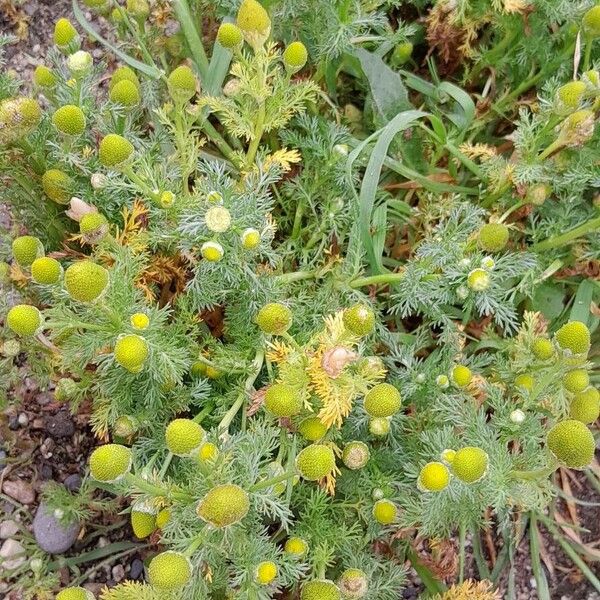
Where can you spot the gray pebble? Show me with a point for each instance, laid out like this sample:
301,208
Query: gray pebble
137,569
50,535
73,482
2,459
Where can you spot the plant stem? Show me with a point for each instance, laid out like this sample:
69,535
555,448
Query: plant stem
385,278
297,276
462,534
569,236
258,131
588,53
534,475
219,141
553,147
140,183
267,483
155,490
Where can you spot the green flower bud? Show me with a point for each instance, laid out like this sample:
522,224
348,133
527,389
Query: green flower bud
229,35
182,84
169,571
26,249
126,93
274,318
24,320
85,281
114,150
57,185
493,237
44,77
572,443
295,57
69,120
46,270
315,462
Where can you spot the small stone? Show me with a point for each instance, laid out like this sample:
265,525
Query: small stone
13,554
23,420
137,569
13,423
46,472
73,482
2,459
20,491
50,535
118,573
60,425
102,541
8,529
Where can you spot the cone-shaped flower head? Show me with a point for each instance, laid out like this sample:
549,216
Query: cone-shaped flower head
295,56
212,251
143,521
274,318
250,238
229,35
478,280
266,572
470,464
461,375
385,512
379,426
64,33
69,119
208,452
182,84
24,320
282,400
57,185
169,571
131,352
383,400
183,436
585,406
254,22
572,443
26,249
574,337
75,593
46,270
110,462
114,150
576,380
315,462
359,319
356,455
434,477
354,584
85,281
163,517
126,426
525,381
591,22
93,227
18,118
296,546
123,74
44,77
312,429
493,237
224,505
125,93
570,95
542,348
320,589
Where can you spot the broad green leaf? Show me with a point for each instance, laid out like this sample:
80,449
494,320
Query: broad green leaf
549,300
580,311
217,70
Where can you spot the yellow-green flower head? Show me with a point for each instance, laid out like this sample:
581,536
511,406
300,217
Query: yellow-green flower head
208,452
312,429
493,237
167,199
26,249
44,77
574,337
143,520
470,464
295,56
93,227
131,352
266,572
274,318
126,426
64,33
75,593
572,443
254,22
80,63
217,219
46,270
576,380
538,193
182,84
114,150
140,9
123,74
385,512
585,406
517,416
69,119
434,477
169,571
212,251
379,426
282,400
110,463
125,93
570,95
214,197
478,280
183,436
461,375
85,281
382,400
320,589
402,52
525,381
224,505
140,321
18,118
315,462
359,319
163,517
577,128
250,238
24,320
448,455
356,455
592,78
442,381
296,546
591,22
229,35
542,348
11,348
354,584
57,185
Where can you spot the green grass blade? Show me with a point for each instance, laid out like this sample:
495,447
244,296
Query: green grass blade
536,564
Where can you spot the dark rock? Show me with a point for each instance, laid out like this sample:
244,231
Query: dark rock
2,459
46,472
137,569
73,482
50,535
60,425
13,423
